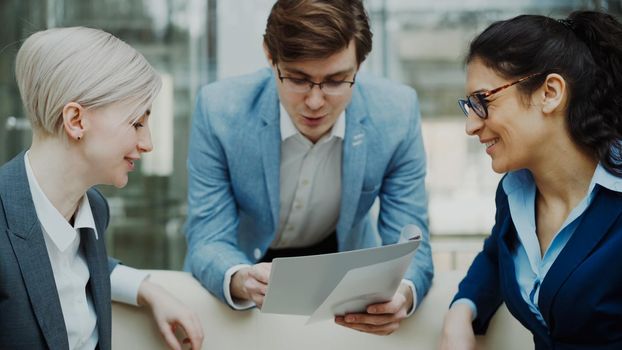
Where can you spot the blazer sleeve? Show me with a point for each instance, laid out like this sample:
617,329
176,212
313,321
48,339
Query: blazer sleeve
482,283
403,199
212,223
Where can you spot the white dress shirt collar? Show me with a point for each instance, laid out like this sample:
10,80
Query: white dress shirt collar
288,129
57,227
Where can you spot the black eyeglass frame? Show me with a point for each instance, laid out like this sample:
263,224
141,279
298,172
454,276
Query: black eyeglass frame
478,103
312,83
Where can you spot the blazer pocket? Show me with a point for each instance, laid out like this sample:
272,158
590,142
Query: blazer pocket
366,200
370,189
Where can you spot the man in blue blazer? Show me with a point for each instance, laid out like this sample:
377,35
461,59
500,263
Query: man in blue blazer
289,160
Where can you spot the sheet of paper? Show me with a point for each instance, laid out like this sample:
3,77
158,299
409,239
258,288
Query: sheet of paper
299,285
355,292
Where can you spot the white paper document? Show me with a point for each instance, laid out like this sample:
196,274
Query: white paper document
322,286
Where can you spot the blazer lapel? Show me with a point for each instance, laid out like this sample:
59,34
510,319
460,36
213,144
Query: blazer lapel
353,163
99,282
271,148
513,298
28,244
595,224
97,260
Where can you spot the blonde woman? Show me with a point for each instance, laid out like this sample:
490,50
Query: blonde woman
87,95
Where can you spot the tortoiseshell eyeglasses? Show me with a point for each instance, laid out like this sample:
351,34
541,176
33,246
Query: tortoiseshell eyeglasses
478,103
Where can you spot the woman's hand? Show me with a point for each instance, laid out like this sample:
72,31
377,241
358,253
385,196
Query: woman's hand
457,329
169,313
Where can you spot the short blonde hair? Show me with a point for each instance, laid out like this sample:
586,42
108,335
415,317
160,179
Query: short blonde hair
83,65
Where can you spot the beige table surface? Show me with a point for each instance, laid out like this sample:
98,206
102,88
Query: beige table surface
224,328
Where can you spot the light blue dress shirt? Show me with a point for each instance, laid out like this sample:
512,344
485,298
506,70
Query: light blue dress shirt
531,267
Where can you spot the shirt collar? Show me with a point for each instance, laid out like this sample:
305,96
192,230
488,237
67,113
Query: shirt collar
523,178
516,180
53,223
288,129
605,179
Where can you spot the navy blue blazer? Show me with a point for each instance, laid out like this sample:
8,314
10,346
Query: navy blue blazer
30,312
581,295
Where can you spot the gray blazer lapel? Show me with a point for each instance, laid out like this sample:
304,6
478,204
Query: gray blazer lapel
28,244
271,148
353,164
99,283
97,260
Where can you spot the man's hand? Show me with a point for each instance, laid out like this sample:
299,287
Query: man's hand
457,329
383,318
169,313
251,283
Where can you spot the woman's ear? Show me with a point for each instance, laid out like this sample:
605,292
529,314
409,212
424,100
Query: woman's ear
73,120
553,93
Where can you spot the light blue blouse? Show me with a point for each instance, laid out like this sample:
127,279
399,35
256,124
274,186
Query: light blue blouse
531,267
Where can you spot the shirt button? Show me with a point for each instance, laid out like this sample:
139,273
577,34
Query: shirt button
297,205
290,228
305,182
257,253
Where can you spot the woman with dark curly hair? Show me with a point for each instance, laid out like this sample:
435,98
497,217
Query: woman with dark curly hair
545,99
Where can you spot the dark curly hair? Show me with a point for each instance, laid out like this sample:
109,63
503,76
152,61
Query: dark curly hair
586,50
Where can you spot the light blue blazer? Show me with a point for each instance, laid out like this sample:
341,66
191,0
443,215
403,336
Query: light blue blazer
234,165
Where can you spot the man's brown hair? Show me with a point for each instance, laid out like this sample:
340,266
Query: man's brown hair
316,29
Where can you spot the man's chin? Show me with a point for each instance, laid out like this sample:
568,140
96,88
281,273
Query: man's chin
315,135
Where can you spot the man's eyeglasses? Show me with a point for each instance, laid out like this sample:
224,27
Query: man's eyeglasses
303,85
478,102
